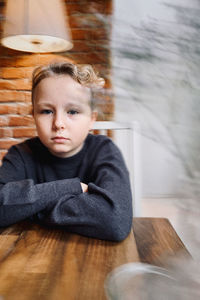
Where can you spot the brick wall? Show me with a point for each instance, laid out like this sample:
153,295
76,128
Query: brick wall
90,26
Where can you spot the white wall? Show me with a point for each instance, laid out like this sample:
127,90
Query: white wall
160,170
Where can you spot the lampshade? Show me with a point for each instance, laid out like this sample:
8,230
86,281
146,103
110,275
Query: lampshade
36,26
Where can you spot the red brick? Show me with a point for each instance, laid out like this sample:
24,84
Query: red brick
105,96
8,108
101,45
87,7
24,132
24,109
48,58
2,154
89,34
104,116
12,96
7,143
4,121
73,8
7,62
108,84
82,46
34,60
20,121
85,21
5,132
14,73
28,60
10,52
11,73
108,7
85,58
106,107
15,84
27,96
24,60
16,108
28,71
90,46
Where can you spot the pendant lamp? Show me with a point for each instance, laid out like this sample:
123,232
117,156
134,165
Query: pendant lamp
36,26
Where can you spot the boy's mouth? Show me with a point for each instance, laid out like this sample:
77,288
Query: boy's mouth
59,139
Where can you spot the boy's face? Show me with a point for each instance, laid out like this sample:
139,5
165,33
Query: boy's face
62,114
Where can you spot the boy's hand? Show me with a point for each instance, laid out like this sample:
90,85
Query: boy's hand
84,187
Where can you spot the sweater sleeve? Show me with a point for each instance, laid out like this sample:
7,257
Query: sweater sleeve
105,211
21,198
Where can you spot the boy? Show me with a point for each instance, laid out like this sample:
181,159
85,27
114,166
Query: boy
66,176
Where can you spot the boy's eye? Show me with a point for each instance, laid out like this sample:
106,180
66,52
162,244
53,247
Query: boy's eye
72,112
46,111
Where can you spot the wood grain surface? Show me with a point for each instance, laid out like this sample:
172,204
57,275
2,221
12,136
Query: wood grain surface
157,241
41,263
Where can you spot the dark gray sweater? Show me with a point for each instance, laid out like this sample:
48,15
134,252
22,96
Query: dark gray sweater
35,184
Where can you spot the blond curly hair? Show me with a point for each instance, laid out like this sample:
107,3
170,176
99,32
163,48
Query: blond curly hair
83,74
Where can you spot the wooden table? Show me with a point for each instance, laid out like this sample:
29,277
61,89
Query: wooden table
41,263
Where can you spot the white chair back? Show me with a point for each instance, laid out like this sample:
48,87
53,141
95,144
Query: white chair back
126,135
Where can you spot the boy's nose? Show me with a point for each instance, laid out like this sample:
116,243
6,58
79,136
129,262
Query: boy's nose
59,122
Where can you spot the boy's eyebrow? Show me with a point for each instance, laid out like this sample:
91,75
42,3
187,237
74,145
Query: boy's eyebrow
44,103
74,103
68,104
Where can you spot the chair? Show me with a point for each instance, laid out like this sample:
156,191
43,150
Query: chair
126,136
